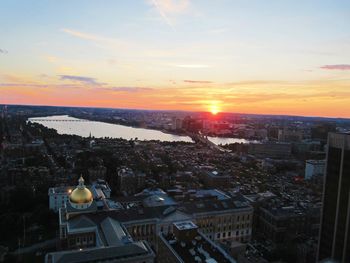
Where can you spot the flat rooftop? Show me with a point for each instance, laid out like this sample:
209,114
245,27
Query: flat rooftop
61,190
138,250
185,225
197,250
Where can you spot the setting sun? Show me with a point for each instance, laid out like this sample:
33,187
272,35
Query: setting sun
214,109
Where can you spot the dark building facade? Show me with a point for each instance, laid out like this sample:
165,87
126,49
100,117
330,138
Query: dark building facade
334,239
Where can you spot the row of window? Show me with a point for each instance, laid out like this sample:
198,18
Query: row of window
228,234
81,240
142,230
223,220
231,227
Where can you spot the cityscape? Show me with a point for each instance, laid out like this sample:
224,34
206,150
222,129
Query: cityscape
254,197
175,131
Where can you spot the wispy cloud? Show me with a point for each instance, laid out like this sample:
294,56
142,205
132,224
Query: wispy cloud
174,6
35,86
197,81
162,14
100,40
81,34
99,86
3,51
170,7
23,85
128,89
81,79
336,67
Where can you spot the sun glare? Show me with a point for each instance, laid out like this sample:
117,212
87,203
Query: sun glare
214,109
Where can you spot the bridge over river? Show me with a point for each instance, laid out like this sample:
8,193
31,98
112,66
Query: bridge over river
199,137
58,120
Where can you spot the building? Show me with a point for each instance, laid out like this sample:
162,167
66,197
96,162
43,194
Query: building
176,124
214,179
220,218
290,135
271,150
134,252
314,168
106,240
130,182
187,244
284,223
334,240
97,173
58,196
95,239
100,189
321,130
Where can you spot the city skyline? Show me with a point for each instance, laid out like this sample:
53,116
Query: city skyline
231,56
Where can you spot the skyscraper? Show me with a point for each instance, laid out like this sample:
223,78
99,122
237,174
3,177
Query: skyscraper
334,241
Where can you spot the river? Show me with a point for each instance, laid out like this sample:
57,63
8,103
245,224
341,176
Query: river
73,126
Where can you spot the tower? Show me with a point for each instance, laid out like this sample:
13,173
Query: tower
334,239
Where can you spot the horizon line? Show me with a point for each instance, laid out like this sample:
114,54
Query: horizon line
143,109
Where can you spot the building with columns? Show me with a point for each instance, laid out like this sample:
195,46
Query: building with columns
143,217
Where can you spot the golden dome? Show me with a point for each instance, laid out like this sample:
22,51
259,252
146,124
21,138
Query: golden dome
81,195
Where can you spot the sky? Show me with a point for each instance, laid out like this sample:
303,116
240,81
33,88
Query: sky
246,56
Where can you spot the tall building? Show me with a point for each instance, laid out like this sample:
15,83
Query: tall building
334,241
313,168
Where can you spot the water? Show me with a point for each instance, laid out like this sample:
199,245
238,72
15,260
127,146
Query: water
102,129
224,140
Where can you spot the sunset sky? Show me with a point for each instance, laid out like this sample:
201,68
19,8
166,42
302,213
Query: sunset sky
248,56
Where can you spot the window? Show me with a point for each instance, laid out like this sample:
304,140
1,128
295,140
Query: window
218,235
229,233
224,235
